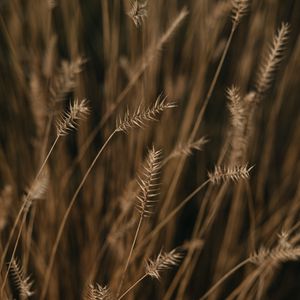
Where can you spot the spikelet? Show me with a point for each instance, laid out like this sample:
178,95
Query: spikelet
238,111
163,261
23,283
148,183
275,256
138,11
77,111
186,149
284,251
229,173
271,59
239,9
37,189
97,293
236,106
283,240
65,81
140,117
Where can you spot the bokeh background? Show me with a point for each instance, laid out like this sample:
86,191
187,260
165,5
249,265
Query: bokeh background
53,52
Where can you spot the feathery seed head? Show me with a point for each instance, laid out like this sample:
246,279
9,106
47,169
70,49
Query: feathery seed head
138,11
98,292
239,9
229,173
140,117
163,261
236,106
65,81
77,111
279,254
272,59
37,189
148,182
185,149
23,283
260,256
238,110
283,240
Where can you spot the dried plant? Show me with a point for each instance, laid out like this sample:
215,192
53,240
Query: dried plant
140,117
22,282
133,53
240,8
272,59
138,11
65,81
283,252
239,118
77,111
37,189
186,149
164,261
98,293
148,183
229,173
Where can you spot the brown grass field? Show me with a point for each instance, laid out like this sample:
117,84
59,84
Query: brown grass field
149,149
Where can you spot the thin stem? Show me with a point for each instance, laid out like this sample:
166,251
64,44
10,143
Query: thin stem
212,85
130,255
25,203
222,279
173,213
131,287
198,121
65,217
13,254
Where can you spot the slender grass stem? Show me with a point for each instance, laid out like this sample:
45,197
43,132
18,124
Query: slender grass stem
65,217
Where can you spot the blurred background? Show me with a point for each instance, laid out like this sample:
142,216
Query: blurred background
53,52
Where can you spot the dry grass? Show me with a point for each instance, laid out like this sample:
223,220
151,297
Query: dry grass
94,213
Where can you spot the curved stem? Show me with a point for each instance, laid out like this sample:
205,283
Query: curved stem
130,254
27,198
222,279
131,287
162,224
65,217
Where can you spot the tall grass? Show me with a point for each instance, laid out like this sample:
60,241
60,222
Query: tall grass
99,212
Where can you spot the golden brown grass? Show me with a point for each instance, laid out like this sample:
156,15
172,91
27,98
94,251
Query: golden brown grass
94,213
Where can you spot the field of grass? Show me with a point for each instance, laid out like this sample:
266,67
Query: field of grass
149,149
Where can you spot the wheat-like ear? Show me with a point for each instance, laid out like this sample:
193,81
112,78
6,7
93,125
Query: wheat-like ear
64,82
284,251
163,261
23,283
98,293
239,9
138,11
229,173
140,117
186,149
275,256
148,182
271,59
236,107
77,111
37,189
239,118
